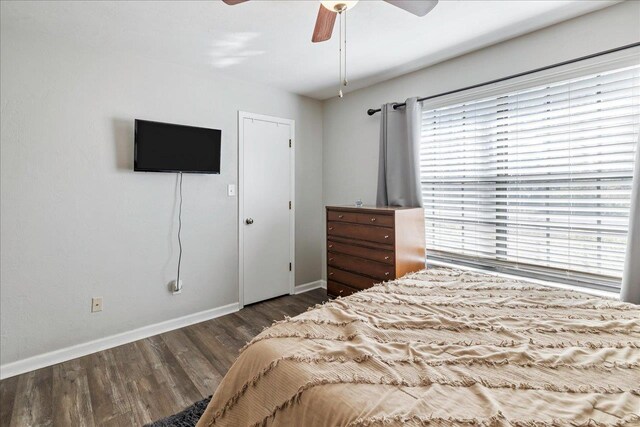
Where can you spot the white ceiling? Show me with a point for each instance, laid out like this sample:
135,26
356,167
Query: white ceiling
270,41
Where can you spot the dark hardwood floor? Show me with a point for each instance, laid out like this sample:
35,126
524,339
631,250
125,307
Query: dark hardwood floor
143,381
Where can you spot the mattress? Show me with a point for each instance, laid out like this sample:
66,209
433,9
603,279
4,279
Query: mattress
441,347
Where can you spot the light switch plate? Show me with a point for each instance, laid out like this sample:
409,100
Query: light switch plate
231,190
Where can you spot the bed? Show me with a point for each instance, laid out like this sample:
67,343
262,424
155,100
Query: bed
441,347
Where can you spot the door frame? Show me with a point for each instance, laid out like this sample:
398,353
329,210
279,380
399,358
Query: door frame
242,115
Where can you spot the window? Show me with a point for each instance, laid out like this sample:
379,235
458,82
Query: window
535,182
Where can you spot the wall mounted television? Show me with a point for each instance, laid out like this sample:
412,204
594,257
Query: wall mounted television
166,147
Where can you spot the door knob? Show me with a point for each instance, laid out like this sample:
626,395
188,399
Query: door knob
249,221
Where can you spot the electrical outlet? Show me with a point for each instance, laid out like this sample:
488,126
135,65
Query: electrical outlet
176,288
96,304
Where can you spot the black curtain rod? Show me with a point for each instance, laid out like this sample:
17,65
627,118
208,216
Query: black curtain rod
372,111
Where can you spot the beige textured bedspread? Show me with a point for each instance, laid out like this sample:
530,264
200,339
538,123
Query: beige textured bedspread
441,347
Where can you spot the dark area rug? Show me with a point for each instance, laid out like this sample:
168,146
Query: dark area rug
187,418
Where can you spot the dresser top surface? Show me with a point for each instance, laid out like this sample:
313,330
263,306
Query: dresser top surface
369,208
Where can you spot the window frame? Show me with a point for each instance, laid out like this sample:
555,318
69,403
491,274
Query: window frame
606,63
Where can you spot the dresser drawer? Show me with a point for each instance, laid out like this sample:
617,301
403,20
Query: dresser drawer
361,266
375,219
380,220
338,289
362,252
361,232
342,216
351,279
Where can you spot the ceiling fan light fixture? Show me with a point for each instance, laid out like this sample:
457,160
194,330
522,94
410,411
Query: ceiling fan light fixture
338,5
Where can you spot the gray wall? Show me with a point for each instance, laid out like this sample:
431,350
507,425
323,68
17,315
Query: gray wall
351,136
76,222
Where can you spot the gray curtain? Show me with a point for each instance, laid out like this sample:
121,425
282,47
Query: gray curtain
399,164
630,291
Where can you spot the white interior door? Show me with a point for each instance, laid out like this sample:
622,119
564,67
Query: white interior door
266,216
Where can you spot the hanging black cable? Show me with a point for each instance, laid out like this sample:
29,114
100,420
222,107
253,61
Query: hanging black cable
178,286
372,111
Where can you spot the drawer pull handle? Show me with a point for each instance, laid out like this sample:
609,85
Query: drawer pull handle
386,237
330,274
330,228
330,259
373,220
330,246
340,216
387,257
386,274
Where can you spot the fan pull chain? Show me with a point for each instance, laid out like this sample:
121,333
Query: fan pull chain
343,53
340,54
345,82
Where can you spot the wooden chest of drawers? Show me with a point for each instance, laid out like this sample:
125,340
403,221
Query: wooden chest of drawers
369,245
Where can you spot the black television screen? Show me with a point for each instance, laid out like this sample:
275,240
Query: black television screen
165,147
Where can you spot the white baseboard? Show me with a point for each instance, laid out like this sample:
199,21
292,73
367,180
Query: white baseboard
47,359
62,355
306,287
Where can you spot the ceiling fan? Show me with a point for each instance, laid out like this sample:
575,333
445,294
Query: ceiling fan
330,9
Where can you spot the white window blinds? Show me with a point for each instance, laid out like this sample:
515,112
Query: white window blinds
535,182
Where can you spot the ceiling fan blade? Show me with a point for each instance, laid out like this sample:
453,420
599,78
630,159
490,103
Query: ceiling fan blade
324,25
417,7
232,2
